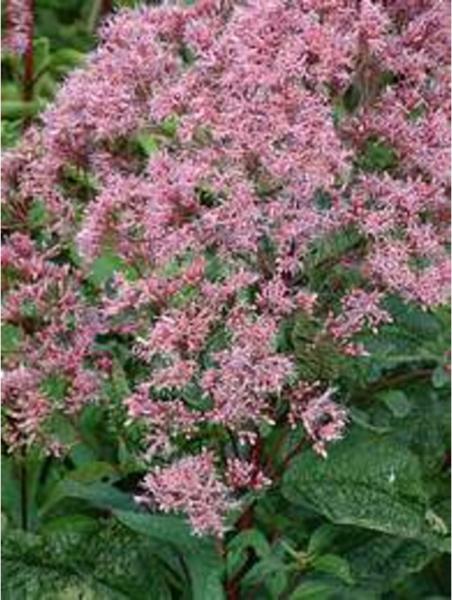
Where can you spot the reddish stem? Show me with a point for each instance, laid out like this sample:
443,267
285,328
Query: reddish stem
106,7
292,454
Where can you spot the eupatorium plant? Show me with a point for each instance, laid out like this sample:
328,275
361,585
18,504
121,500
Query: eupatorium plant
172,202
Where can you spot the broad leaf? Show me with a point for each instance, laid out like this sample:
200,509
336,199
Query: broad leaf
366,481
100,495
200,555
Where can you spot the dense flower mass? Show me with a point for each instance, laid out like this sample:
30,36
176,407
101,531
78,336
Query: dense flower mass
197,159
191,485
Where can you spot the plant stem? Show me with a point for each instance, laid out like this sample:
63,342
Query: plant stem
107,7
391,381
292,454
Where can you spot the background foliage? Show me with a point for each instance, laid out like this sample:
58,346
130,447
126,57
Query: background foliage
371,522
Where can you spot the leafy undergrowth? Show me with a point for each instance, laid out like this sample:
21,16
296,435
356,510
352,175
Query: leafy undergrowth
370,522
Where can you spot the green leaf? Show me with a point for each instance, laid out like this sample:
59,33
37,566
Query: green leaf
110,563
18,109
55,387
11,339
237,548
169,126
322,538
381,561
66,58
71,524
161,528
104,267
333,246
94,471
436,522
377,156
11,131
148,143
367,481
352,98
100,495
334,565
11,493
362,419
37,215
440,377
82,453
269,571
313,590
41,54
397,402
200,555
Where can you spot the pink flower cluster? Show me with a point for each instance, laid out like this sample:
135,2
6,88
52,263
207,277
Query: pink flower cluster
360,309
54,332
323,419
191,485
19,25
193,146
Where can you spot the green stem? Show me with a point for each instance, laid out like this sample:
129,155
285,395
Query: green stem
24,491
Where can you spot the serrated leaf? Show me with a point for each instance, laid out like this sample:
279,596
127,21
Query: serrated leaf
367,481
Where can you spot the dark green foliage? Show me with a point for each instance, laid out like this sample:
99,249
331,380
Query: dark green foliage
377,156
104,563
371,482
370,522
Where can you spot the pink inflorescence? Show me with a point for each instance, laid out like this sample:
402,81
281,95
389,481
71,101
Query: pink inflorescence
192,148
19,25
323,419
191,485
